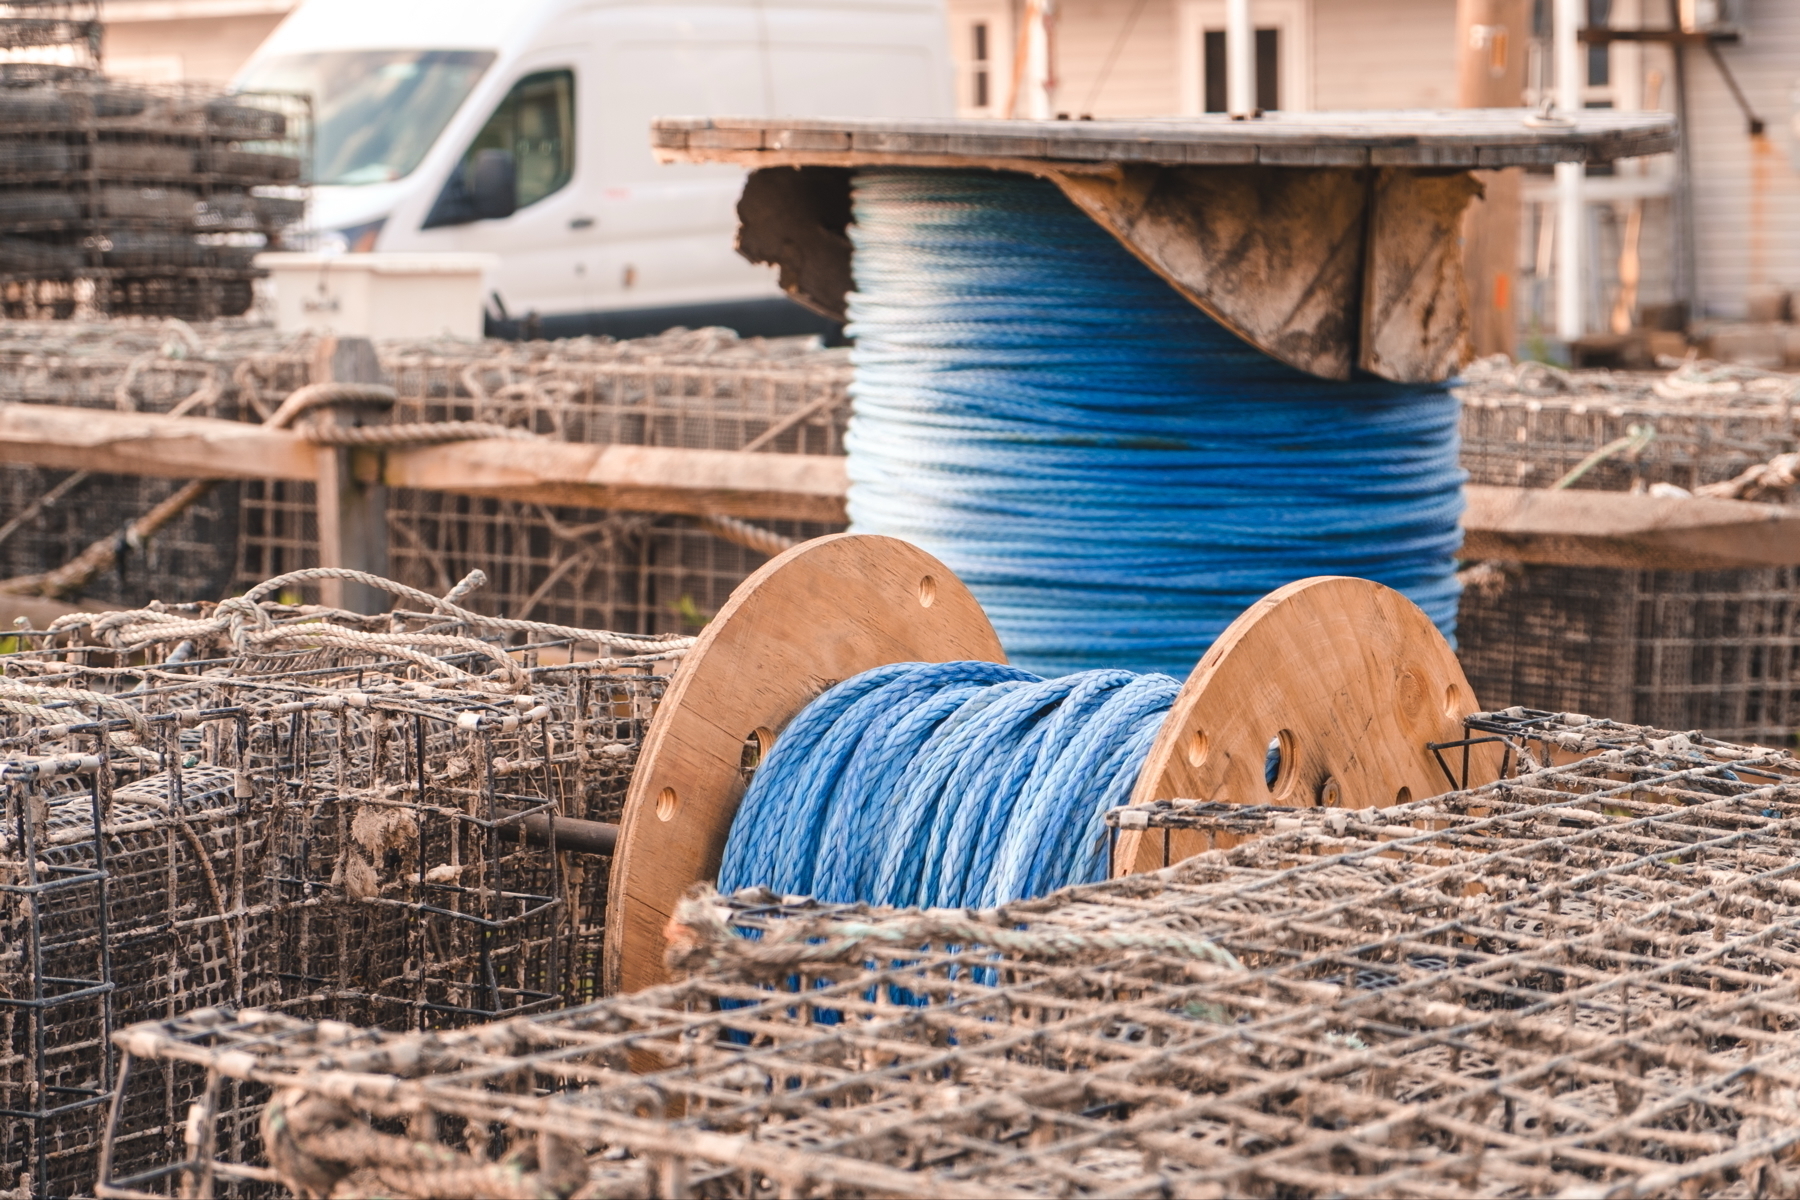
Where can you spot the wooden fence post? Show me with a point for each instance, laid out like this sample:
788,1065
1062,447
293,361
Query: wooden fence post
352,501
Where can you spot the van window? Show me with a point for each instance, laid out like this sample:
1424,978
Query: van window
536,121
375,112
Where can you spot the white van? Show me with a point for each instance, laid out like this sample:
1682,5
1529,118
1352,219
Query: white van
521,128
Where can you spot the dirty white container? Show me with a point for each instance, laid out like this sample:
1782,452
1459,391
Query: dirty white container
379,295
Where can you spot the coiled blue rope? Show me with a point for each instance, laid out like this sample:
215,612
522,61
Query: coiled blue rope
1114,475
963,784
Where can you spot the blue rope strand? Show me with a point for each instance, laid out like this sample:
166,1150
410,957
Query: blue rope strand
1114,475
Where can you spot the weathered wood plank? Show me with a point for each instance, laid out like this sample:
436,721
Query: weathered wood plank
1274,255
1421,138
149,444
799,487
1622,529
1415,311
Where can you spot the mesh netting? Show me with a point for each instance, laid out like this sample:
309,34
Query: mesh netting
629,571
1714,650
339,816
1577,980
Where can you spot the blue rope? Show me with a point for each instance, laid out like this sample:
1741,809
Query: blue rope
963,784
1114,475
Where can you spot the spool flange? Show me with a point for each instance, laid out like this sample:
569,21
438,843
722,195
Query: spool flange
812,617
1348,677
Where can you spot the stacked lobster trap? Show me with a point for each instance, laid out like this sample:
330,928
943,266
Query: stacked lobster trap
260,803
1574,981
126,198
1715,650
639,572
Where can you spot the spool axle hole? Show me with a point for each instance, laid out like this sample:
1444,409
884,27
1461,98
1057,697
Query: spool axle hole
756,748
1197,748
1279,764
927,591
666,804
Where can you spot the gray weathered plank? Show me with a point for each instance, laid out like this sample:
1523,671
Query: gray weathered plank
1422,138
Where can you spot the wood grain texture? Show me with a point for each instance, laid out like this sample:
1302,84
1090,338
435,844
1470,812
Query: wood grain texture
795,218
1415,307
800,487
1349,676
1273,255
818,614
1418,138
1621,529
151,444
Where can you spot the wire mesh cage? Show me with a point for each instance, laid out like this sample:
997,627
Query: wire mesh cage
1715,650
1575,981
636,572
256,803
127,198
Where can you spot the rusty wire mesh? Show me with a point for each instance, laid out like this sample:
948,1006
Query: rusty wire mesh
1575,981
1714,650
136,199
629,571
264,804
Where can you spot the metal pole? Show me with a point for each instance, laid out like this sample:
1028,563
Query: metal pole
1240,60
1040,100
1570,69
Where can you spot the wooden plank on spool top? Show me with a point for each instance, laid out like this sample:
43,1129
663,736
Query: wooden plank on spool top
1181,194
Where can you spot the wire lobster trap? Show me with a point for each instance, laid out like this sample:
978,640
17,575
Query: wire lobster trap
590,568
135,199
1574,981
1714,650
348,817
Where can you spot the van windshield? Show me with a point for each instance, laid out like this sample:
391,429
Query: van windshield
375,112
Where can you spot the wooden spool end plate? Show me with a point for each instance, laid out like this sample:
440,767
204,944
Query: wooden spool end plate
816,615
1351,680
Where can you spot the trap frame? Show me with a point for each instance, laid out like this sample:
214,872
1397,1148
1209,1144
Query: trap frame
1577,980
1714,650
262,803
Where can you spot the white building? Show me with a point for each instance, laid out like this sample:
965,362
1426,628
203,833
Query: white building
1123,58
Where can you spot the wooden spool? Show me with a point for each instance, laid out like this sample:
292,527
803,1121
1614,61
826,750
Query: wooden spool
1347,675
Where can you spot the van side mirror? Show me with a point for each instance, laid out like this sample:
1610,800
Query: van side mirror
493,184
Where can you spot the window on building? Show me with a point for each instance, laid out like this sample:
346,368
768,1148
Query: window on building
979,75
536,122
1268,70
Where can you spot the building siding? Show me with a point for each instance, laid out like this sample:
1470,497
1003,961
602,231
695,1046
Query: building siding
1747,191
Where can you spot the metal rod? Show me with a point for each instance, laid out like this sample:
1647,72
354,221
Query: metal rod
1240,60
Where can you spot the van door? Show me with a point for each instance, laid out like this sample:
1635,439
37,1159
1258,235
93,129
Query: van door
667,232
539,227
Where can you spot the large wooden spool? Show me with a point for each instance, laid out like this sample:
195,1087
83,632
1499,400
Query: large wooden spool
1348,677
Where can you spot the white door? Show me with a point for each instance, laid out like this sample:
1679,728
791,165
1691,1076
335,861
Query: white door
547,248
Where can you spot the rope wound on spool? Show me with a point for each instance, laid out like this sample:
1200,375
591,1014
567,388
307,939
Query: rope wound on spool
1114,475
946,785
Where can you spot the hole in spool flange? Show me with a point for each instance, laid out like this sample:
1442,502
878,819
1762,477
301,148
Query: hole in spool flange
1197,748
1453,702
756,748
927,591
666,804
1279,761
1403,796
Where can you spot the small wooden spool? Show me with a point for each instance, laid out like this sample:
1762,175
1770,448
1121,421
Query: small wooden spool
1348,676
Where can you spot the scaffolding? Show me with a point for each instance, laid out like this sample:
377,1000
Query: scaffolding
1576,980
